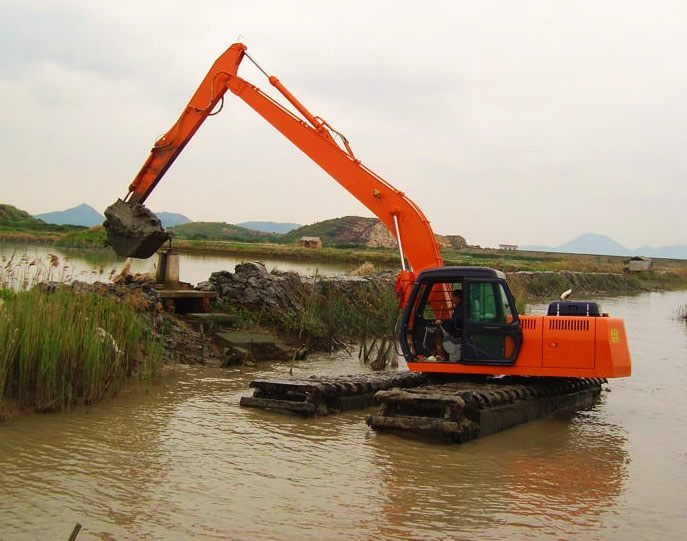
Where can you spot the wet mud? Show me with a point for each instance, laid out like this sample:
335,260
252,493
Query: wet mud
133,230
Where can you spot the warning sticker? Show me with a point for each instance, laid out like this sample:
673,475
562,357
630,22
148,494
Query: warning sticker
615,336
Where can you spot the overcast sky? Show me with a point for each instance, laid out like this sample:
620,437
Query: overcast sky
526,122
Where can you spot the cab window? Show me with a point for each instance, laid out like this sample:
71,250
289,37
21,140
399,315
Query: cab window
483,303
488,303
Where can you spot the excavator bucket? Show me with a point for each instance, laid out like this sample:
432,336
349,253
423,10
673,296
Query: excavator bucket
133,230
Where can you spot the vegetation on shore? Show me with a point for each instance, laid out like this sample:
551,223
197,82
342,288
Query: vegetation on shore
329,315
91,238
667,274
59,348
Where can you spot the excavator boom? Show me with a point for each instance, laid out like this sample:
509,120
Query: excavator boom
134,237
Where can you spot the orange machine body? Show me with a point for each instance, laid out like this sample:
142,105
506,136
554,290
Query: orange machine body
555,346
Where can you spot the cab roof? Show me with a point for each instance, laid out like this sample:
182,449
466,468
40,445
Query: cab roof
452,274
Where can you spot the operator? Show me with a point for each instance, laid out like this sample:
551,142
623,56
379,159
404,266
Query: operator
450,328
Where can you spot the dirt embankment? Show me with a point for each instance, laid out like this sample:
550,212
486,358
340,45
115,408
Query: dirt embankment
182,340
318,313
251,285
253,288
321,313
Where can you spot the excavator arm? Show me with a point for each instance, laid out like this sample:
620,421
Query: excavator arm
401,216
169,146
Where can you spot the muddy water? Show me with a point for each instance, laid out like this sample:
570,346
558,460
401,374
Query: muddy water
98,265
184,460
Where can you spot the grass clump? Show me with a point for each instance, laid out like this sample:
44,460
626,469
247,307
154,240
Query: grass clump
329,315
60,347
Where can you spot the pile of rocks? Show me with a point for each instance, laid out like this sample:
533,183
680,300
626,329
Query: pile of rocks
252,286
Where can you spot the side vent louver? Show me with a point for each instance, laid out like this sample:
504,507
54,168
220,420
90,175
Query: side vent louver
568,324
528,324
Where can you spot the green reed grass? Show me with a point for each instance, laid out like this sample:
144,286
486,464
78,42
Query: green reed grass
332,315
59,348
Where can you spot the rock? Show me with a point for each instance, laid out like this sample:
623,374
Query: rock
252,286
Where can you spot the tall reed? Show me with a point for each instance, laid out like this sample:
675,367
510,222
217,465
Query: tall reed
59,347
335,315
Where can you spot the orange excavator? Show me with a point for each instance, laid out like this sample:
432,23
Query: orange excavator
483,334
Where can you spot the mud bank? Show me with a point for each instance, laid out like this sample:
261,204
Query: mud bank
318,313
252,287
315,313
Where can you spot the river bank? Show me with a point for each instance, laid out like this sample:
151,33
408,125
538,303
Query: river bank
383,258
307,313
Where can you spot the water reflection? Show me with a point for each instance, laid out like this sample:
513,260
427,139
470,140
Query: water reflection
559,474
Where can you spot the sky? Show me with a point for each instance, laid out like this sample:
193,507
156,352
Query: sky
527,122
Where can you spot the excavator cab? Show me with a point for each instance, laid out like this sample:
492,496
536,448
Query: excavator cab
463,315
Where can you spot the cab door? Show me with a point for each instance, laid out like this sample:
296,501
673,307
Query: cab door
491,329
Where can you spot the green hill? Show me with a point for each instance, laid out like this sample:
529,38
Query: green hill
222,231
345,232
348,231
14,220
270,227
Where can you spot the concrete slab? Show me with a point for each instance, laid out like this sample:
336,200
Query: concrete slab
219,319
257,346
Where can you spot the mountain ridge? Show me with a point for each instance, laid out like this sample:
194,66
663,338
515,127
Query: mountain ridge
270,227
347,230
598,244
82,214
85,215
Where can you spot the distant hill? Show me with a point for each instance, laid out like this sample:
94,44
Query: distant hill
358,231
221,231
673,251
349,231
87,216
591,243
346,231
270,227
82,215
172,219
13,219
